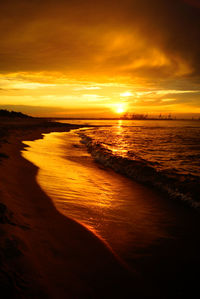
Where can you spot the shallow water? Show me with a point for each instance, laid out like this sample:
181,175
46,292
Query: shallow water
118,210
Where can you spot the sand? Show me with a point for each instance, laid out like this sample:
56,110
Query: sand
43,254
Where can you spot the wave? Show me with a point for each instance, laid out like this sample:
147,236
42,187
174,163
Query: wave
184,187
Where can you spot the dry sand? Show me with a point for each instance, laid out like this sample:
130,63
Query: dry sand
43,254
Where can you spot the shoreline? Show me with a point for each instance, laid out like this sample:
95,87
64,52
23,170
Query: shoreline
43,253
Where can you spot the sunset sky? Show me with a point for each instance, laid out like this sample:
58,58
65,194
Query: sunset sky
96,58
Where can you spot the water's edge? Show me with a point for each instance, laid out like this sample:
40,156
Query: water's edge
179,187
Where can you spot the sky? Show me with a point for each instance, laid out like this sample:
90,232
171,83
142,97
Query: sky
100,58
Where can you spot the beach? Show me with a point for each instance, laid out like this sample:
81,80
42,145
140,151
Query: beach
100,149
44,254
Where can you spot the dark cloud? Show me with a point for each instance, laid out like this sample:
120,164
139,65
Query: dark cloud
176,26
82,37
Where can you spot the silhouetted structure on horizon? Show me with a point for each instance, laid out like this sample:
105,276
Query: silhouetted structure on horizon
135,116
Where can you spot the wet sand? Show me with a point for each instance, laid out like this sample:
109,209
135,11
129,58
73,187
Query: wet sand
43,254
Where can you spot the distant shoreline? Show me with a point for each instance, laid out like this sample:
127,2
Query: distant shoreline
116,118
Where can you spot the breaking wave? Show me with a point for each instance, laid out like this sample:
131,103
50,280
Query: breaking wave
184,187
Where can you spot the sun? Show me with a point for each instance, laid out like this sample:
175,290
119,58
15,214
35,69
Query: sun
120,108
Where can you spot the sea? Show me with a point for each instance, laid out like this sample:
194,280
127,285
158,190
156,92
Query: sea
113,177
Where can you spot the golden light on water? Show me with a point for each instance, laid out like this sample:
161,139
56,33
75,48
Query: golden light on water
88,194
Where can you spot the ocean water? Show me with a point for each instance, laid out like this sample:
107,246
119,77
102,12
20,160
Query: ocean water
169,145
106,178
162,154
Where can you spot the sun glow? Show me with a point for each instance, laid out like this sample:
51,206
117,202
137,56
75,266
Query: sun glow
126,94
120,108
